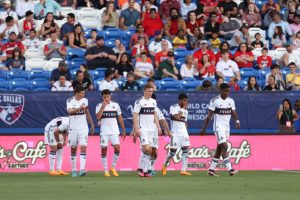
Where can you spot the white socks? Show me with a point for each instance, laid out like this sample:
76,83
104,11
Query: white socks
115,160
104,163
82,160
214,163
73,162
59,155
52,160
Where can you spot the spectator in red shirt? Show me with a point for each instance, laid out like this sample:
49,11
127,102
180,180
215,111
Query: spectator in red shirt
9,47
174,24
209,6
193,23
28,23
244,57
206,68
152,24
139,47
203,50
165,7
264,60
135,36
163,54
223,47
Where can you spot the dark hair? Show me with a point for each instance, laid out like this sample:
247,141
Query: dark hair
188,15
78,89
256,34
279,34
289,102
272,76
110,2
224,86
71,15
79,72
152,10
147,86
17,49
265,49
255,86
291,63
182,96
62,75
52,22
212,13
9,19
224,51
173,8
107,73
222,43
105,92
33,30
128,58
206,84
202,59
244,43
150,80
219,77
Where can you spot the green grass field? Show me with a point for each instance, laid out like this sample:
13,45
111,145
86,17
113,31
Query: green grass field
258,185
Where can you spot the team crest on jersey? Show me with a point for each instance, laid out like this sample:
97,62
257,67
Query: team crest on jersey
11,107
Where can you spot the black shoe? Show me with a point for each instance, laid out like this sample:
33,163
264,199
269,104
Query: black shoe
233,172
211,172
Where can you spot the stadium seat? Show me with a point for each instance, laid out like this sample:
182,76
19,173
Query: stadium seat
254,30
285,71
17,73
180,53
143,81
33,53
113,33
52,64
39,83
110,42
243,83
179,62
87,12
189,84
256,52
87,32
18,84
278,53
99,73
37,73
212,80
247,72
76,62
4,84
75,53
169,84
4,74
120,81
74,71
66,10
91,23
33,63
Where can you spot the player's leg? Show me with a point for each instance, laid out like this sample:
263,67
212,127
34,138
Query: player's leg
59,157
83,140
116,144
226,160
185,143
215,161
72,142
52,155
171,154
146,152
153,159
104,145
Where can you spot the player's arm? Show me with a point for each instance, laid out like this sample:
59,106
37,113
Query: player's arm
165,126
65,139
206,121
100,112
121,122
178,115
136,128
90,121
73,111
236,118
156,121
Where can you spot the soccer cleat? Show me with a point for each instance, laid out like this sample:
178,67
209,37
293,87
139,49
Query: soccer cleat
164,170
185,173
233,172
82,173
211,172
74,174
147,175
140,173
106,174
62,173
114,172
53,173
153,173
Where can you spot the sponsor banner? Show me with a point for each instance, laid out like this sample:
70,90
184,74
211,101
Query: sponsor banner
30,154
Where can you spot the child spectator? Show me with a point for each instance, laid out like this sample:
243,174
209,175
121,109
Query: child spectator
257,43
180,40
214,42
234,86
17,61
92,41
264,60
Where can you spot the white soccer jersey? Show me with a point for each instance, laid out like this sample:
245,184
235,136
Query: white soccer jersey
62,88
62,123
222,112
108,121
178,127
145,108
159,114
78,121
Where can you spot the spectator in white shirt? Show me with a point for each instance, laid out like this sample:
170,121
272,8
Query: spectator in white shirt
155,46
108,83
8,27
143,68
62,85
188,69
22,6
7,11
33,41
186,7
291,56
227,68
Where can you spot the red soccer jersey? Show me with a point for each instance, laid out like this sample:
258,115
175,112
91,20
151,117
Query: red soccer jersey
246,64
199,54
8,48
161,56
264,61
151,25
210,70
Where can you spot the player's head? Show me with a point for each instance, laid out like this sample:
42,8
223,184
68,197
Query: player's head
148,91
106,95
79,91
182,100
224,90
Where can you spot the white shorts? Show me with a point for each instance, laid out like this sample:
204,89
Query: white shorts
180,141
222,136
50,138
146,138
114,140
78,137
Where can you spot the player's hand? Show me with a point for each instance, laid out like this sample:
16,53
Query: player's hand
137,132
82,107
123,135
159,131
202,132
238,125
92,129
169,134
134,139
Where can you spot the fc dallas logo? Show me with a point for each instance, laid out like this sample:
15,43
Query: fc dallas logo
11,107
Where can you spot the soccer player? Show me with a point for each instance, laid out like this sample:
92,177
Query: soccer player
56,137
180,136
221,107
144,115
79,114
108,112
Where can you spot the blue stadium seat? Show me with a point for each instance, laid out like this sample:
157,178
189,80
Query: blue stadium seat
246,72
75,53
40,84
284,72
4,74
17,73
4,84
37,73
169,84
91,73
73,72
243,83
113,33
212,80
189,84
143,81
99,73
87,32
120,81
263,72
76,62
181,53
110,42
19,84
179,62
42,89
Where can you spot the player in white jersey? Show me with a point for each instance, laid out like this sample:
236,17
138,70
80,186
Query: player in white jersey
144,115
109,113
222,108
180,137
79,114
56,137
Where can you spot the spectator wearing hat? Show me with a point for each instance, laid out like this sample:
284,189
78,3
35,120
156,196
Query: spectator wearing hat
28,23
130,84
108,83
293,78
44,7
239,36
8,27
166,6
155,46
100,56
17,61
82,81
13,42
54,49
290,56
139,47
275,71
198,54
7,11
152,23
62,85
228,27
277,21
23,6
68,27
167,68
61,70
174,24
143,68
130,17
